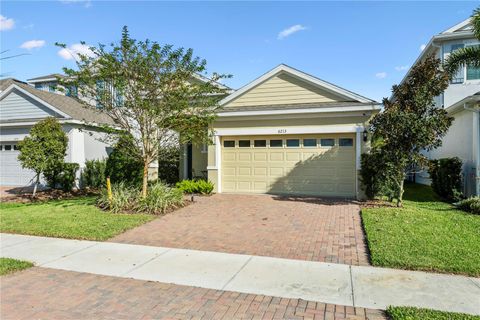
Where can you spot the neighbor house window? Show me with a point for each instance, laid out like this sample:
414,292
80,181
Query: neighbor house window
244,143
327,142
459,75
52,87
293,143
71,91
309,142
473,73
260,143
345,142
276,143
38,86
229,144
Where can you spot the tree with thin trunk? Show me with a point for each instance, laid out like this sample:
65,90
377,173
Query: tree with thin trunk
44,149
158,94
469,55
411,122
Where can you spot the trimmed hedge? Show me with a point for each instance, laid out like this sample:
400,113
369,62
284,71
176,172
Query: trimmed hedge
93,175
196,186
446,175
471,205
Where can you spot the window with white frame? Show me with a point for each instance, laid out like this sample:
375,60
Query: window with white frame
458,77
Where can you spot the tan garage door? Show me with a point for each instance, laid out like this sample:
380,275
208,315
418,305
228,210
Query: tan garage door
321,165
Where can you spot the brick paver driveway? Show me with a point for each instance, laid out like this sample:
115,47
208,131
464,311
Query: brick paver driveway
295,228
41,293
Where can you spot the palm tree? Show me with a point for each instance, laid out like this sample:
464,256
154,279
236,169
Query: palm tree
468,55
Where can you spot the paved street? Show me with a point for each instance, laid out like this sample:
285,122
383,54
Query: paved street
354,286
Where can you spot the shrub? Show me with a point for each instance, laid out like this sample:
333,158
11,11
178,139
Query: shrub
68,175
168,164
124,198
93,175
471,205
446,177
196,186
62,176
377,176
160,198
122,164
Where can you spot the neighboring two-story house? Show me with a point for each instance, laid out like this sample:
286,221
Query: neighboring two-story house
462,101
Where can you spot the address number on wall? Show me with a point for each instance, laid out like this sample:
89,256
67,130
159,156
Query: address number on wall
282,130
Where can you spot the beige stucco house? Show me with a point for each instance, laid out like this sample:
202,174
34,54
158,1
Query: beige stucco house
286,132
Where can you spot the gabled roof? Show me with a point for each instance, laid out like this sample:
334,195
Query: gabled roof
48,77
66,106
282,68
465,25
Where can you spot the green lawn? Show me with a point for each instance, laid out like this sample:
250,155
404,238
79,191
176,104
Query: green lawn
77,218
8,265
410,313
427,234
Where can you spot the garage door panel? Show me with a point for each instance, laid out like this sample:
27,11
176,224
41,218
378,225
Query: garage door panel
11,171
276,156
328,171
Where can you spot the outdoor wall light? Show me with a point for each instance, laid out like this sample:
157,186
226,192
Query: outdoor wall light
365,135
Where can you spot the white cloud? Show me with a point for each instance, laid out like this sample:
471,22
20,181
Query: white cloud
289,31
422,47
401,68
87,3
381,75
6,23
71,52
29,45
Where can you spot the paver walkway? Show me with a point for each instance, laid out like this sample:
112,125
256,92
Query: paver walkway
356,286
41,293
284,227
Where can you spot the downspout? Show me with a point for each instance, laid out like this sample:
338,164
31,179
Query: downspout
476,146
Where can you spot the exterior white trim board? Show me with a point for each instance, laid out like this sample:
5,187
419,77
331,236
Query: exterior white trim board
373,107
287,130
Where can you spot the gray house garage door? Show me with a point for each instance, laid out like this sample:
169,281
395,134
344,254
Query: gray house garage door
11,172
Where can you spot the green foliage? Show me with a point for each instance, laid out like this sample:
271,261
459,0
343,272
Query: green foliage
427,234
124,164
168,164
377,175
410,122
160,199
471,205
8,265
62,176
446,175
127,198
45,148
196,186
149,90
124,198
413,313
93,174
68,175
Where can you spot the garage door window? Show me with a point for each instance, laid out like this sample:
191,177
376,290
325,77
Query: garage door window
276,143
345,142
244,143
327,142
260,143
229,144
292,143
309,142
7,147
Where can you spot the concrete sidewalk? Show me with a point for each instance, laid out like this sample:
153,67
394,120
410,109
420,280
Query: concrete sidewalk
357,286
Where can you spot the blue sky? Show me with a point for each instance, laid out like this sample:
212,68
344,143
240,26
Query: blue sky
362,46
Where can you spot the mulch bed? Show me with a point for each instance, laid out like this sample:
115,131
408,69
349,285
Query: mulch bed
46,195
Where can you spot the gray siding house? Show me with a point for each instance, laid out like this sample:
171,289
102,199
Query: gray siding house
22,105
